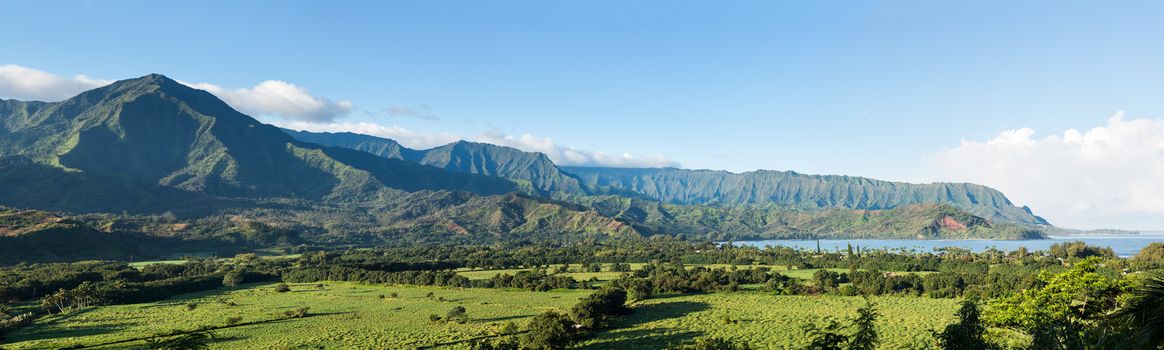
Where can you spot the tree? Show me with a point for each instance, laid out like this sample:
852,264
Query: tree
593,311
825,337
457,314
639,289
1065,312
967,333
826,279
865,332
548,331
1144,313
232,279
245,258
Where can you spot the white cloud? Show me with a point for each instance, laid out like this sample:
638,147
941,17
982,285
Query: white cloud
25,83
404,136
560,154
565,155
279,98
268,98
1108,176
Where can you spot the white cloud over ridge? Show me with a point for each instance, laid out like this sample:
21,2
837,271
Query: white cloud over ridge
560,154
268,98
1108,176
294,107
279,98
23,83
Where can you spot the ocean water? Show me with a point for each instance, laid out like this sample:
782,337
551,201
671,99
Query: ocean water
1123,245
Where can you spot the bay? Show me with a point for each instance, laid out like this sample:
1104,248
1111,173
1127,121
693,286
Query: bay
1123,245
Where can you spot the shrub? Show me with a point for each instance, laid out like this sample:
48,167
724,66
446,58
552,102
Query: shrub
232,279
282,288
457,314
297,313
234,320
549,331
509,328
713,343
434,318
593,311
191,306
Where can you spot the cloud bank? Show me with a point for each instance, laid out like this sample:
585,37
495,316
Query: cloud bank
560,154
279,98
1111,175
23,83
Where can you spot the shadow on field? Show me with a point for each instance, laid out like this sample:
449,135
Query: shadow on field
651,338
619,337
498,319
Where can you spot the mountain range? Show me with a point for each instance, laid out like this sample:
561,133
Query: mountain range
786,189
151,145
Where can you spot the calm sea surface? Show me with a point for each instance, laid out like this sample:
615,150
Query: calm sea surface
1123,245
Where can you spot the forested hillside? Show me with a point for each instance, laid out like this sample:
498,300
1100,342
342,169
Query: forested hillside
795,190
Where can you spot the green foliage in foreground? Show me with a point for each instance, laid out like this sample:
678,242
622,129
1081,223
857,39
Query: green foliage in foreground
342,315
768,322
346,315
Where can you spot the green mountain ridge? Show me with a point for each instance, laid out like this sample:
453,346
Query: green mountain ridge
766,188
531,169
112,159
798,191
152,135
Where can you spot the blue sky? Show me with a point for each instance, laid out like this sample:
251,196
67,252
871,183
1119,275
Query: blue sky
875,89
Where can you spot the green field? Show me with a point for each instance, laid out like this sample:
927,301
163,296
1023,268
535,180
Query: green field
352,316
769,322
343,315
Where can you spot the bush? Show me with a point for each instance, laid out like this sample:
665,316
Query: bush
509,328
297,313
232,279
282,288
457,314
549,331
714,343
593,311
191,306
434,318
234,320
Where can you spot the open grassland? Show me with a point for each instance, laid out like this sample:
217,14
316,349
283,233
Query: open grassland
342,316
769,322
353,316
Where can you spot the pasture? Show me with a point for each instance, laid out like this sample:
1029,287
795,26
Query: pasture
354,316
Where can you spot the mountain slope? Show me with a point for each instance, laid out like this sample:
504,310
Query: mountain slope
913,221
799,191
141,139
531,169
788,190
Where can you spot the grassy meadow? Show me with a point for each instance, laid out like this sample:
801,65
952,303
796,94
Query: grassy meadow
342,315
353,316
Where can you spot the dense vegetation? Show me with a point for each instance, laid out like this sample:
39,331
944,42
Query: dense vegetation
1072,296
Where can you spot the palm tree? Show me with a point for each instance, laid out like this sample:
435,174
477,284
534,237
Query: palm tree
1144,314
